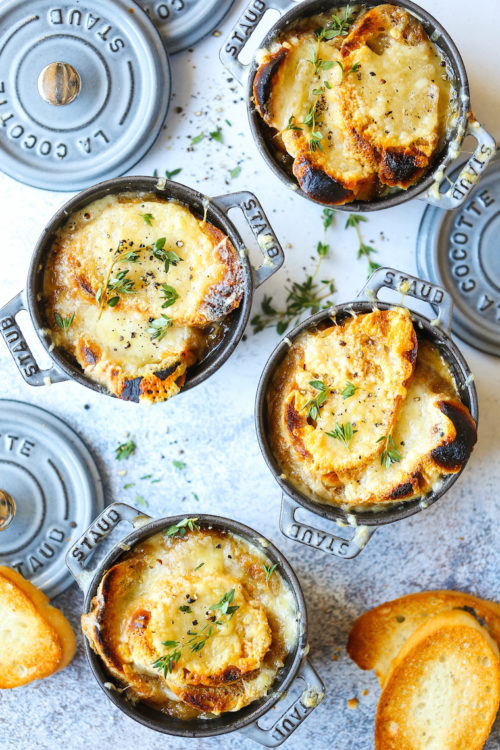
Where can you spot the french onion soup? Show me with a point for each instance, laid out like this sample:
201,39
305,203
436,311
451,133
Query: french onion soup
194,621
358,101
137,289
363,411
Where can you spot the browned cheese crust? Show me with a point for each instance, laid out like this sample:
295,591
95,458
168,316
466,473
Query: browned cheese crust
360,112
120,336
160,595
406,426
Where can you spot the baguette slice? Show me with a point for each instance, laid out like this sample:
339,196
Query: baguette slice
378,635
35,638
443,691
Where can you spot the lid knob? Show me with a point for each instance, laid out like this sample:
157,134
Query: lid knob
59,83
7,509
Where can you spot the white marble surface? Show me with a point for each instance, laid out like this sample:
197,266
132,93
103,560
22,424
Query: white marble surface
454,544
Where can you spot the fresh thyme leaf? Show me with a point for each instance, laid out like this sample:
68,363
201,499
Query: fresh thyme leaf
234,172
169,257
223,604
344,433
155,173
64,323
147,219
200,566
269,570
315,140
365,250
390,455
180,527
128,485
196,497
185,608
147,476
167,662
349,390
216,135
354,68
113,301
140,500
158,328
198,640
353,220
173,173
228,123
179,465
317,402
125,450
322,249
327,85
197,139
121,285
169,295
328,214
292,124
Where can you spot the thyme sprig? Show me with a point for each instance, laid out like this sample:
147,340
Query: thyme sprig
344,433
125,450
390,455
308,295
64,323
349,390
224,604
364,250
179,529
336,26
314,404
167,662
269,570
158,328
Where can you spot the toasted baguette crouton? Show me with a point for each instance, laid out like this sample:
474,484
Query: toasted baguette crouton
443,691
35,638
379,634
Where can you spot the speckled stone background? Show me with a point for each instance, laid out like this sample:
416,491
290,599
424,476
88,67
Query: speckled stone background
455,543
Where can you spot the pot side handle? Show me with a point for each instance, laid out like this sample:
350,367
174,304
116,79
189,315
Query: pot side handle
243,30
458,192
78,555
390,278
319,539
258,222
19,349
295,714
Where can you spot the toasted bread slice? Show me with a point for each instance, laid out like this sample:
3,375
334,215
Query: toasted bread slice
443,691
391,104
35,638
376,352
284,86
379,634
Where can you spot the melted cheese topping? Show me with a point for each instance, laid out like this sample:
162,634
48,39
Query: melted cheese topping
379,91
115,343
358,473
168,596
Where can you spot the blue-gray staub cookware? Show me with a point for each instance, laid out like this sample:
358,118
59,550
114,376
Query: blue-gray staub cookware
362,524
88,574
428,187
62,367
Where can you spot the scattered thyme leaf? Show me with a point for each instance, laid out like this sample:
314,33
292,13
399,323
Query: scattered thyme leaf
197,139
344,433
185,608
199,566
140,500
349,390
179,529
125,450
64,323
234,172
147,219
269,570
128,485
179,465
216,135
390,455
173,173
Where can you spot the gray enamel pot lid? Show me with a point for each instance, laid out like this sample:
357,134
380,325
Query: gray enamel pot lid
182,23
50,474
460,250
84,90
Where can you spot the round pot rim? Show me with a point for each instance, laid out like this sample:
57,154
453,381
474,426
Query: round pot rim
301,649
398,510
400,195
167,189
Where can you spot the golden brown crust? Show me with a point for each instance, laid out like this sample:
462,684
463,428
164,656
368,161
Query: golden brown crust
35,638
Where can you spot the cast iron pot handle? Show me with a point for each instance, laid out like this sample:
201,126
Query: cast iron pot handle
300,709
458,192
257,220
77,556
19,349
318,539
244,29
390,278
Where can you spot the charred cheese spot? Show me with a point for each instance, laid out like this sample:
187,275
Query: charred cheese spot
382,103
408,395
159,595
113,345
